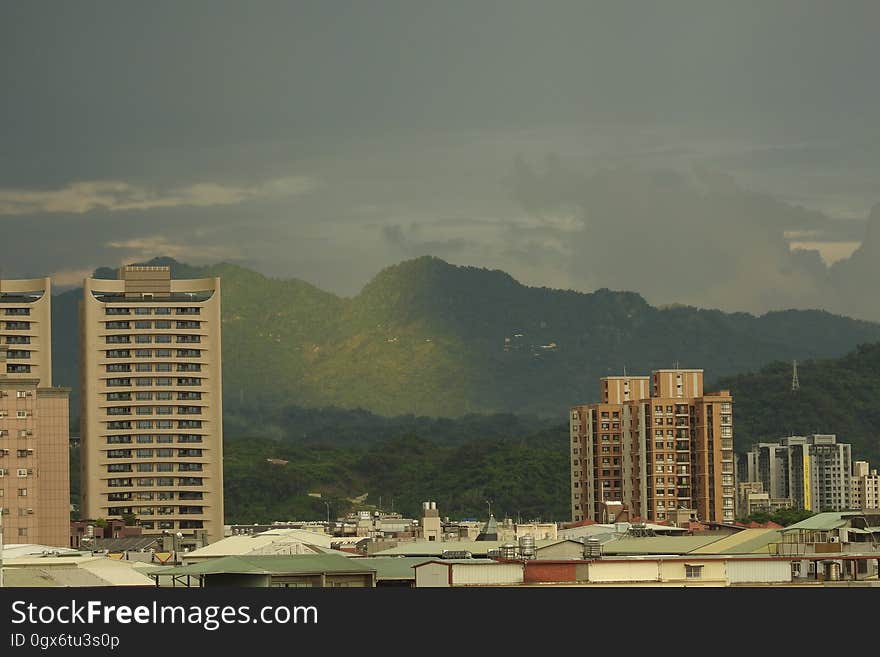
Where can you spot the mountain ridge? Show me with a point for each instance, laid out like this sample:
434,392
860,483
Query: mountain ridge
434,339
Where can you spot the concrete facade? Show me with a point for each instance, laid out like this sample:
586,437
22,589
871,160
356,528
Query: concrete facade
865,487
34,420
26,329
656,444
151,421
813,471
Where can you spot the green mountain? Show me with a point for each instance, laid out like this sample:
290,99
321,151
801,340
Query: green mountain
429,338
837,396
397,463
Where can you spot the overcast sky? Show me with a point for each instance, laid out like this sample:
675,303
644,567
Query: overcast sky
689,151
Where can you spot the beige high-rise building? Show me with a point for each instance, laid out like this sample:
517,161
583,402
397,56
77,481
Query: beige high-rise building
34,420
152,417
26,329
865,486
657,444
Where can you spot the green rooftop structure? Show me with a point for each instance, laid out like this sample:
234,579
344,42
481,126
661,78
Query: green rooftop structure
305,570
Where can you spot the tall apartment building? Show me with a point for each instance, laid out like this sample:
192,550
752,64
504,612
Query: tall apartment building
152,432
34,420
814,471
657,444
865,487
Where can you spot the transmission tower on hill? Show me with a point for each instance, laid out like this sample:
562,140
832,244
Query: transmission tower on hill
795,384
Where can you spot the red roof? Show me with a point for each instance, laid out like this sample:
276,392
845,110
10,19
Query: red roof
580,523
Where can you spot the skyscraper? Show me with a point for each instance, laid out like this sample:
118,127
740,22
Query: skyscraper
657,444
34,420
152,432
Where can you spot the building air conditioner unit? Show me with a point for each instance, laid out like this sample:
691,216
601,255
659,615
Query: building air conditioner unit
834,539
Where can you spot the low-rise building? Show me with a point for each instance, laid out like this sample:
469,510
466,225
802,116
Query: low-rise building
302,570
447,573
273,542
865,487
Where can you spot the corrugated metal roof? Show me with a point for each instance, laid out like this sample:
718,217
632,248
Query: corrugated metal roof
464,562
31,577
82,571
274,564
276,540
657,544
748,541
436,548
393,567
134,543
117,573
19,550
822,521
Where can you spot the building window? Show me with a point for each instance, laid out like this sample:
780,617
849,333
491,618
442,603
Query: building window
22,492
693,572
22,531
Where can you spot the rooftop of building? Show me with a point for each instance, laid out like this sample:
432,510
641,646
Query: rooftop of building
823,521
394,567
23,550
129,544
272,540
747,541
75,570
653,545
437,548
271,564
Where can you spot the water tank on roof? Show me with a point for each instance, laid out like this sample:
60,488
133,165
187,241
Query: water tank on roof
527,547
592,548
508,551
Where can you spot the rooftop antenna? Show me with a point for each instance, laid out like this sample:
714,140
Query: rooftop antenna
795,384
624,370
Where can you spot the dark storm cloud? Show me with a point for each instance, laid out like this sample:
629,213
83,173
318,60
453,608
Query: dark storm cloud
717,133
410,241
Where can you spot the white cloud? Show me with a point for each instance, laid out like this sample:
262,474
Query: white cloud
117,195
830,252
69,277
144,248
